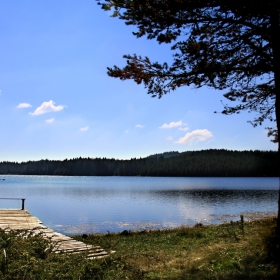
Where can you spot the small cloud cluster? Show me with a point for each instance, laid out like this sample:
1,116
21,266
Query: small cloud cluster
84,129
49,120
139,125
23,105
191,137
47,107
195,136
172,124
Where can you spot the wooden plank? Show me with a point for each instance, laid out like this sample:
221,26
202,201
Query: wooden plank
14,212
23,225
15,215
20,220
43,231
80,250
72,246
18,216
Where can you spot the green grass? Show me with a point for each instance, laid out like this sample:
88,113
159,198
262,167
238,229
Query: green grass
230,251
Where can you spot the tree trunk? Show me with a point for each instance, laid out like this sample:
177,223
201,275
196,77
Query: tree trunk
275,31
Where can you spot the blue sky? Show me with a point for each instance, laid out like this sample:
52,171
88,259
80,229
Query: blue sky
57,101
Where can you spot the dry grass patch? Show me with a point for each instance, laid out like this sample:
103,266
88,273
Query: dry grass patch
235,250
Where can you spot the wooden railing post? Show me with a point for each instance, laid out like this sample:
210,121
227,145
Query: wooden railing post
22,203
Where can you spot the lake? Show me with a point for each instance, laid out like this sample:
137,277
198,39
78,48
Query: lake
73,205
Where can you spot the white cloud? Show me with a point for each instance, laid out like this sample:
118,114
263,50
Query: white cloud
47,107
172,124
84,129
50,120
23,105
139,125
195,136
169,138
184,128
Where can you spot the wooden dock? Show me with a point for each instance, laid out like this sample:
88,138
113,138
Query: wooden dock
23,220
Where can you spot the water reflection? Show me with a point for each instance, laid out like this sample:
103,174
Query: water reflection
217,196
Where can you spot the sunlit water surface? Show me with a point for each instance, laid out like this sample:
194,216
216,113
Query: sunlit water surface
98,204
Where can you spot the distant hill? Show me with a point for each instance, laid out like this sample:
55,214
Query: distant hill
217,163
165,155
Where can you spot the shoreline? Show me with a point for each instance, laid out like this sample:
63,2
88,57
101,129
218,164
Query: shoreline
92,228
250,216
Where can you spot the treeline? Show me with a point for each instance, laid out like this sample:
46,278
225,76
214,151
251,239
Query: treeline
217,163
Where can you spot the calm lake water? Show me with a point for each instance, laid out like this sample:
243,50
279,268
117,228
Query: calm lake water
97,204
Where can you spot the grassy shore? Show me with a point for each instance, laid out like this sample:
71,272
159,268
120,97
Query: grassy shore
237,250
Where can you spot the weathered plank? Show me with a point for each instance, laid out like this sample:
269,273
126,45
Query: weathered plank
23,220
14,212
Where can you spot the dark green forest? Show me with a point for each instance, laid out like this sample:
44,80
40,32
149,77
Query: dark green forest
218,163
